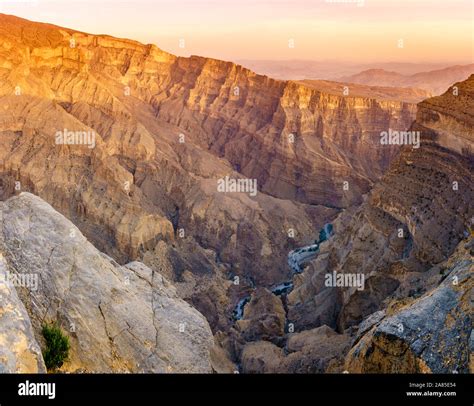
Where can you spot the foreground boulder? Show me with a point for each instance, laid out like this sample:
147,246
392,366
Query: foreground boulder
118,318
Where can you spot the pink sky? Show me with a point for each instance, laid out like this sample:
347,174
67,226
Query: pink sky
431,30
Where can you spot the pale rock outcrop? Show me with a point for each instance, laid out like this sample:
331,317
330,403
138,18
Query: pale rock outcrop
118,318
19,350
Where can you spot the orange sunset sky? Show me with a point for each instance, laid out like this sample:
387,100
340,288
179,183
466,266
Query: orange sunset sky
351,30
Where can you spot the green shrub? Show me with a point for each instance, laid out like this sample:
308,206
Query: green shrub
57,346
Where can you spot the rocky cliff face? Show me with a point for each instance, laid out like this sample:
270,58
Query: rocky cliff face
388,93
118,318
166,129
429,334
411,221
409,245
298,141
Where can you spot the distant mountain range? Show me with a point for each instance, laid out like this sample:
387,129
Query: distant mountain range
333,70
436,81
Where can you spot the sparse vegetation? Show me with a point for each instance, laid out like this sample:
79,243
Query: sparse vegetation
57,346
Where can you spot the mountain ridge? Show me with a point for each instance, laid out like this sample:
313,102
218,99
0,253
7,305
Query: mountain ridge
246,134
435,81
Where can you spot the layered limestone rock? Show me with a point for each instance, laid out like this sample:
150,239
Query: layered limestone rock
118,318
429,334
298,141
412,219
146,187
392,93
410,246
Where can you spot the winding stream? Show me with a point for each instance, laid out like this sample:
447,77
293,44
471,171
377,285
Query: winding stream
238,312
296,259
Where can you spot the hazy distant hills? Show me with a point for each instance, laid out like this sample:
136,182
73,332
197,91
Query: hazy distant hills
435,81
432,78
333,70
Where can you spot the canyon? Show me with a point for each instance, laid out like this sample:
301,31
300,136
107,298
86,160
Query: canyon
412,241
137,246
140,184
